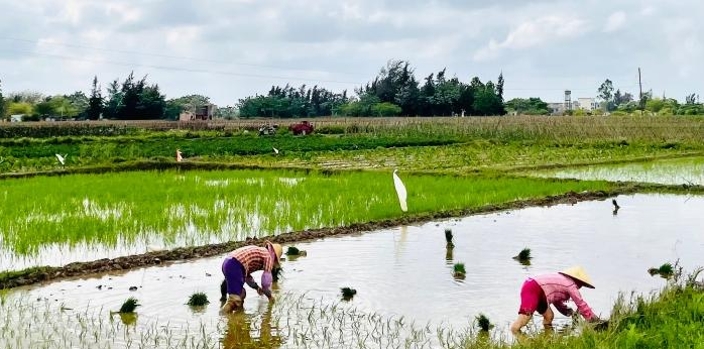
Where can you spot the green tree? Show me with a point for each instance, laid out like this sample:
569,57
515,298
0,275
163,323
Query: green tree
396,84
227,112
114,102
151,103
95,103
63,107
487,101
3,104
31,97
530,106
500,87
654,105
386,109
691,99
15,108
79,101
606,93
175,106
44,108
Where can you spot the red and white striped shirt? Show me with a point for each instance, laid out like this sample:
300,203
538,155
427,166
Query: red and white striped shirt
255,258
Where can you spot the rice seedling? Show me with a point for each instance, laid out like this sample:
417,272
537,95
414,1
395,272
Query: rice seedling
95,215
483,322
666,271
524,256
293,251
668,319
448,239
459,271
129,306
198,299
348,293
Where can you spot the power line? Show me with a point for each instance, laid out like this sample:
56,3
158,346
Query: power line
190,70
206,60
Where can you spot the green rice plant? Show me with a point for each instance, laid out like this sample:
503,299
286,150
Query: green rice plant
348,293
292,251
483,322
524,256
448,238
129,306
117,211
459,271
666,271
198,299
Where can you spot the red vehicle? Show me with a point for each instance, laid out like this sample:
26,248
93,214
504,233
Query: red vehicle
302,128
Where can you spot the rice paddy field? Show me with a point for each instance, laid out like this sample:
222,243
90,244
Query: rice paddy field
500,184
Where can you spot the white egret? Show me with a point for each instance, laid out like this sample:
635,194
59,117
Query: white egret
179,158
276,151
154,248
62,159
400,191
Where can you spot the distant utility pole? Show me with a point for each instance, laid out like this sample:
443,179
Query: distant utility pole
640,84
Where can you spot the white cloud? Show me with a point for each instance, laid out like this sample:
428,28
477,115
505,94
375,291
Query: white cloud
242,47
615,21
647,11
686,48
534,33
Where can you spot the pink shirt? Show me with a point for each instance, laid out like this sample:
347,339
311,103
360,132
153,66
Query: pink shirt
559,289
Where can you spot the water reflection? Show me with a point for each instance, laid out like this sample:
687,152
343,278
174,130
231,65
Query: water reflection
246,331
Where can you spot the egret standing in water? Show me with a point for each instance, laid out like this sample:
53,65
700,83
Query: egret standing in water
62,159
179,158
400,191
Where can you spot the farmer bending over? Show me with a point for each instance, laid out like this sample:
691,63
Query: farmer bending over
238,268
540,291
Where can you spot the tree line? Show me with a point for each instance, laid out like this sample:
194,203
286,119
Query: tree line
394,91
130,99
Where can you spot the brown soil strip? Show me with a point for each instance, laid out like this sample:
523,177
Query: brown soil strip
42,274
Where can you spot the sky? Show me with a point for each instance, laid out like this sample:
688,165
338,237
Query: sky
228,50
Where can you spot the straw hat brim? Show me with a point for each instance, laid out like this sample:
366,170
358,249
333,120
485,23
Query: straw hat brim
579,274
276,248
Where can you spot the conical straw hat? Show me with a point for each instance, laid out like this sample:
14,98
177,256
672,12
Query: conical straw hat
578,273
276,248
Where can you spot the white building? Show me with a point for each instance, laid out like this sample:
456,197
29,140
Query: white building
557,108
587,104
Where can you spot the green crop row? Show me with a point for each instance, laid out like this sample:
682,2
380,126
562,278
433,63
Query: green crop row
129,210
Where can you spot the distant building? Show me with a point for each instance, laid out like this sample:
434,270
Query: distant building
556,108
587,104
204,112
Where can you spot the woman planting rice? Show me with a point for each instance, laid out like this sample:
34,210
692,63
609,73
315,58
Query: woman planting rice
238,268
539,292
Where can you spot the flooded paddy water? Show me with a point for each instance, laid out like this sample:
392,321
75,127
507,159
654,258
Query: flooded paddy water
688,171
402,273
